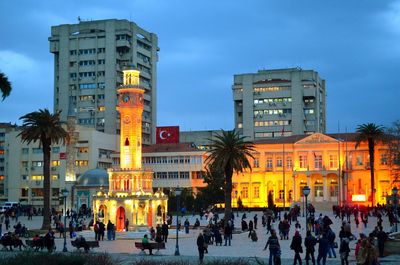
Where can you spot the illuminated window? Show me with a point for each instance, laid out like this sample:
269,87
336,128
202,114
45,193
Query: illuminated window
317,161
245,192
279,161
333,161
37,177
55,177
37,163
303,161
318,189
102,108
359,160
240,125
256,192
83,150
2,177
81,163
334,188
55,163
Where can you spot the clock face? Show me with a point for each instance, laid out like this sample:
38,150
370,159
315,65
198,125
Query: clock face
125,97
127,119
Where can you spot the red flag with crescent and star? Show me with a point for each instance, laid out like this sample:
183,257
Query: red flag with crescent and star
167,134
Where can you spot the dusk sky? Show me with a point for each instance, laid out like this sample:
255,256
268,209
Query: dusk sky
353,45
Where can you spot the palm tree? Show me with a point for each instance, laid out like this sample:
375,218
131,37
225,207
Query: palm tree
5,86
371,133
43,127
230,153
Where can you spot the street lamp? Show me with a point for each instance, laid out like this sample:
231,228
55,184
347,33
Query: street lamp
64,195
178,192
394,193
306,191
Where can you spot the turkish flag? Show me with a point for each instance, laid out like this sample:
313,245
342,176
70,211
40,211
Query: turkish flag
167,134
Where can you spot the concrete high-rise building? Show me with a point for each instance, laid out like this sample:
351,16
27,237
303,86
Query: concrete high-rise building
279,102
88,61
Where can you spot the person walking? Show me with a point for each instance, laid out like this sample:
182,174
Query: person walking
200,246
323,247
227,234
255,219
382,237
331,238
309,242
344,251
274,248
164,232
110,229
296,247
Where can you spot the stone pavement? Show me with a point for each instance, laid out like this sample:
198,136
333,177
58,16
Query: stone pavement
242,247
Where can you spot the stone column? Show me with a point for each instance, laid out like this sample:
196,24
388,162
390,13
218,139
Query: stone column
326,195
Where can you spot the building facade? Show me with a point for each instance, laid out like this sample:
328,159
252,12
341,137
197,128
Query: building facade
181,164
23,174
281,102
331,165
88,61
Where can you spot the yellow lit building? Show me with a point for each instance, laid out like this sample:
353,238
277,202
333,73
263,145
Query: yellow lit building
317,160
130,194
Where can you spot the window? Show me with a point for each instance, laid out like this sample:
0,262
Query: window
101,61
318,189
279,161
333,161
55,149
87,86
55,177
81,163
289,162
55,163
101,108
256,162
317,161
37,150
256,192
184,175
334,189
101,85
25,151
245,192
25,177
269,163
173,175
37,163
303,161
359,160
37,178
101,50
384,158
308,111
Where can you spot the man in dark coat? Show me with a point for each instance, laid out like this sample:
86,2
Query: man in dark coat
382,237
323,248
200,246
164,232
296,246
309,242
274,248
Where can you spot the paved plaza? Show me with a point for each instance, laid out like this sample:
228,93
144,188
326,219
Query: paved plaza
242,247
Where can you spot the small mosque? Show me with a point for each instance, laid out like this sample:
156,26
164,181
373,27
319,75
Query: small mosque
125,195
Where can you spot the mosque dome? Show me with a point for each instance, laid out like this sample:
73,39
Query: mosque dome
93,178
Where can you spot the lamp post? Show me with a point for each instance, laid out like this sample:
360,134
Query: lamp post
64,194
394,194
306,191
178,192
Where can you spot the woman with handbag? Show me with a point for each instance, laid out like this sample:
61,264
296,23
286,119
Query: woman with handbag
296,246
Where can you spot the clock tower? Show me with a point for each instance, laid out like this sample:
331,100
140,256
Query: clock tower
130,107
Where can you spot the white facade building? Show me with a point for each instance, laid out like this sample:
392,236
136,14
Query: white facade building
88,61
280,102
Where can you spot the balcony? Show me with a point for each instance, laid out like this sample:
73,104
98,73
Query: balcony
123,43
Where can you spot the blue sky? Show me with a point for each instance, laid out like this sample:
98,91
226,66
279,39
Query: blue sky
354,45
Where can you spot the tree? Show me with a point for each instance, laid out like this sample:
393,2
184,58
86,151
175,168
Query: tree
43,127
5,86
371,133
214,192
230,153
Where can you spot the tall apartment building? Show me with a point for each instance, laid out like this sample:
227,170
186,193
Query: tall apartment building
279,102
88,61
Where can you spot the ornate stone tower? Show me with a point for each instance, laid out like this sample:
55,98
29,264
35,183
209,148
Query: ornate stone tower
130,195
130,107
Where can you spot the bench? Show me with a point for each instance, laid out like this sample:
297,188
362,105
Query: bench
90,244
152,245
